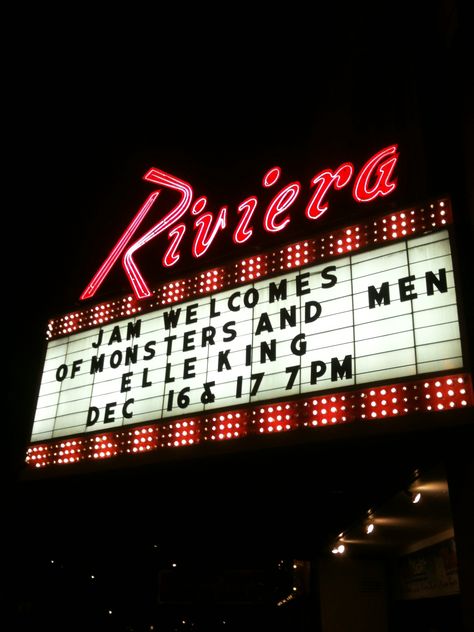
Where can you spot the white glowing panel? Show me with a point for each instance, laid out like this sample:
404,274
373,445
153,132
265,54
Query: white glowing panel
366,318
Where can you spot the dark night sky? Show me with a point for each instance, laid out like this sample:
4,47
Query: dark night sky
92,108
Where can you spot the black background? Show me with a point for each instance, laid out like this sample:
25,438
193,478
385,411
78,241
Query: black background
96,103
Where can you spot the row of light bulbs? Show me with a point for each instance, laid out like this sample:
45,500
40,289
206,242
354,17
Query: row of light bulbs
340,548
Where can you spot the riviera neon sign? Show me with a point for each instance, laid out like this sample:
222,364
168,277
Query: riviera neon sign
373,180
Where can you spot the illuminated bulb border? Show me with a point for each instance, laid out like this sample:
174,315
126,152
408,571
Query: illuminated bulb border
319,411
326,246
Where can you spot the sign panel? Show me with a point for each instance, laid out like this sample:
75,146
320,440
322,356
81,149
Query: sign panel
431,572
372,316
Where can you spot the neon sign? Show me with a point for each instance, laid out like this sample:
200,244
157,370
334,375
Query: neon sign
373,180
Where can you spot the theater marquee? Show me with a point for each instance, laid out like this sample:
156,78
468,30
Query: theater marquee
368,317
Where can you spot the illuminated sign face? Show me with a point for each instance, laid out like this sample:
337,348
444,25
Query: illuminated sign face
375,179
372,316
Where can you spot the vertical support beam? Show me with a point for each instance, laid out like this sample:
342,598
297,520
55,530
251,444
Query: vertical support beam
460,474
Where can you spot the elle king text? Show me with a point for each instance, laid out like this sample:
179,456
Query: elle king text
175,358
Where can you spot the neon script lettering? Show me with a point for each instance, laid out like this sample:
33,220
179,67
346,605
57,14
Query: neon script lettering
373,180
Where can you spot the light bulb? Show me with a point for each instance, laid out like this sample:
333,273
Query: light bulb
416,498
370,527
